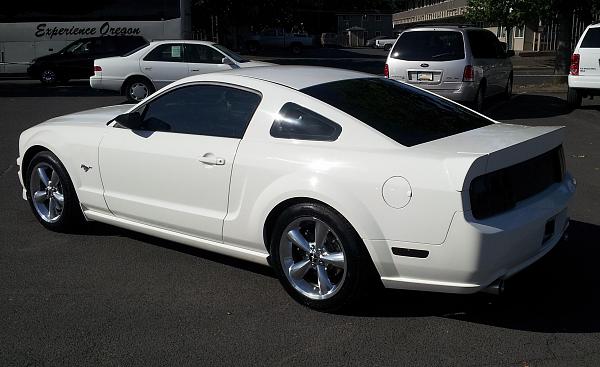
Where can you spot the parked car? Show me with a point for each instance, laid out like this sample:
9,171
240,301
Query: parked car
338,179
371,42
385,42
329,40
278,38
464,64
148,69
76,60
584,76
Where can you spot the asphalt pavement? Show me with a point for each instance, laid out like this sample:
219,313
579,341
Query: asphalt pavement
112,297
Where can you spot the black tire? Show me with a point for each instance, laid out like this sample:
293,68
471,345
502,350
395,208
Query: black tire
49,76
135,83
509,88
296,48
479,102
359,276
387,47
574,98
70,216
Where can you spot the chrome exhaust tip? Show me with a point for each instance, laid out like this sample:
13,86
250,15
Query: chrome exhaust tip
496,288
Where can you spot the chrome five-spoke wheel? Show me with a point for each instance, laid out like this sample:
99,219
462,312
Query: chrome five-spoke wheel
313,258
47,192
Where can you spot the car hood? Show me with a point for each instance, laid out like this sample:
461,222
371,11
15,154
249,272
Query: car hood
96,116
251,64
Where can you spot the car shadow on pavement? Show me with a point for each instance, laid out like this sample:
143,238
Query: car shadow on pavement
34,88
559,293
528,106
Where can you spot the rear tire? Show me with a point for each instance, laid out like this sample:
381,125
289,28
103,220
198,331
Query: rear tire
49,77
574,98
509,88
137,89
479,101
51,194
327,274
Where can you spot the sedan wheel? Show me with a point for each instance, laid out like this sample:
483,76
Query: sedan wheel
137,91
48,76
312,258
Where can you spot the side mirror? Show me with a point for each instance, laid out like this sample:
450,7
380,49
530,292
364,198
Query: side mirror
510,53
131,120
228,61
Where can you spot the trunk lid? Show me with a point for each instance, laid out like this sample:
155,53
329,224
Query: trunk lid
491,148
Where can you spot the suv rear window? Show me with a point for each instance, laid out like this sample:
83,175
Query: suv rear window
592,39
429,46
403,113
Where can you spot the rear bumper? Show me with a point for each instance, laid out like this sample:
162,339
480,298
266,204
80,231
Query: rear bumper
99,82
475,252
459,91
589,83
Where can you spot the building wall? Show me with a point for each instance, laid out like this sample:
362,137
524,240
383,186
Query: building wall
430,10
373,25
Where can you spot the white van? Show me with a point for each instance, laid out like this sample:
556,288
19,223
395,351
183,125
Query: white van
584,76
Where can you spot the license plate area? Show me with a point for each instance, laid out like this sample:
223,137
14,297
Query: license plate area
425,76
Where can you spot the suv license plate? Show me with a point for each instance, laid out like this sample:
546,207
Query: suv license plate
425,77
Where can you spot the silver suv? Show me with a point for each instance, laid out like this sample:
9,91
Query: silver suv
465,64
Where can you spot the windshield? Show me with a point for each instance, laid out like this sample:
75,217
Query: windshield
403,113
77,46
429,46
232,55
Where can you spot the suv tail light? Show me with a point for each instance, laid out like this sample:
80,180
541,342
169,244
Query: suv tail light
386,71
574,64
97,68
469,74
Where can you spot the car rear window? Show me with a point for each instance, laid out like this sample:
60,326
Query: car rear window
405,114
592,38
429,46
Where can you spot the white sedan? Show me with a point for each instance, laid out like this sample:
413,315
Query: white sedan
151,67
339,180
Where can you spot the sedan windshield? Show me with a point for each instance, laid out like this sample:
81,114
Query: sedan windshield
405,114
232,55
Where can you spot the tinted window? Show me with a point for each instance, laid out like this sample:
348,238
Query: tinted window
485,45
592,38
429,46
403,113
211,110
127,44
202,54
232,55
167,52
296,122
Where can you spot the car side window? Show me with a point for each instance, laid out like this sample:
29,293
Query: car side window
211,110
297,122
202,54
170,52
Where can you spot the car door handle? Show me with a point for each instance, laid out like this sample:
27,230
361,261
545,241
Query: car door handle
212,160
148,68
195,69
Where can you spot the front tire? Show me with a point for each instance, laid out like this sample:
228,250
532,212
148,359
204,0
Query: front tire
319,258
509,88
574,98
51,195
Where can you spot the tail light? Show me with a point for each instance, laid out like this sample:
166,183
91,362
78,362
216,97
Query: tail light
386,71
469,74
97,68
574,64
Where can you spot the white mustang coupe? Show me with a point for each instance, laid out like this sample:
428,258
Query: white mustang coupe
339,180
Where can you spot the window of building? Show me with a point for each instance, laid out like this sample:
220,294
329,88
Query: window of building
378,18
519,31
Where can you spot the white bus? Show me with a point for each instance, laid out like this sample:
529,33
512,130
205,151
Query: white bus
34,28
